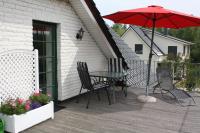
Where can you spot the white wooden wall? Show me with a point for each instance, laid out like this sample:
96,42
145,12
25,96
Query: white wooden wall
16,33
131,38
164,42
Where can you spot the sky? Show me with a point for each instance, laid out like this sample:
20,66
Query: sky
111,6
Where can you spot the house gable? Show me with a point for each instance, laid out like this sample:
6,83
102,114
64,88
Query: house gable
147,40
131,38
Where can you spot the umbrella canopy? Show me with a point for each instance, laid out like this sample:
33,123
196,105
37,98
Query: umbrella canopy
154,16
145,16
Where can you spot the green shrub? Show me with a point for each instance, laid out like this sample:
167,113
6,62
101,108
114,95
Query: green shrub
40,98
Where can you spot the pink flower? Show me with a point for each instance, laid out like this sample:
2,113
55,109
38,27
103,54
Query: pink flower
20,101
27,107
37,91
36,94
48,94
13,104
28,102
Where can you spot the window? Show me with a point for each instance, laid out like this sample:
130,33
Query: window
172,50
138,48
184,49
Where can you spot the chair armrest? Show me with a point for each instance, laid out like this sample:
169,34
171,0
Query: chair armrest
94,80
157,85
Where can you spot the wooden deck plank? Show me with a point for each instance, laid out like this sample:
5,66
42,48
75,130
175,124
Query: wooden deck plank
127,115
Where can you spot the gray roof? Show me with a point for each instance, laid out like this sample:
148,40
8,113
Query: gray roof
147,40
168,36
126,51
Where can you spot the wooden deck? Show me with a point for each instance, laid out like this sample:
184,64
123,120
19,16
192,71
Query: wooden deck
127,115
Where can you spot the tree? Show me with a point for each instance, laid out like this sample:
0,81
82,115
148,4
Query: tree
119,29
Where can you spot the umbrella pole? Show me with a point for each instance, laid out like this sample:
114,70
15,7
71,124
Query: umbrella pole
147,98
150,58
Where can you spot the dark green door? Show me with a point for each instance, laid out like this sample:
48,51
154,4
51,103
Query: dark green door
44,39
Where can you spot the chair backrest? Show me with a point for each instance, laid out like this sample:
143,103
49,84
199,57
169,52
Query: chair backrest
115,65
164,78
84,75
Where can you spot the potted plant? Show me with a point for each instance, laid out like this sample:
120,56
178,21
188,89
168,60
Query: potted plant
20,114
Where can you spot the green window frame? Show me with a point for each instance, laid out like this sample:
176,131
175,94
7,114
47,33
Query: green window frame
45,40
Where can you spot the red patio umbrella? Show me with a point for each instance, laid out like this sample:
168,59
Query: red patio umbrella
154,16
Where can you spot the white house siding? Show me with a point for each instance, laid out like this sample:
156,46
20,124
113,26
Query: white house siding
132,38
16,33
163,43
88,19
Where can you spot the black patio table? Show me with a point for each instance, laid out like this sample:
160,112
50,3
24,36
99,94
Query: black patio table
111,77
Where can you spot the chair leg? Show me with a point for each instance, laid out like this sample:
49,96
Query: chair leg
108,94
193,100
125,92
89,96
77,101
188,104
124,89
98,95
154,89
113,94
126,86
162,93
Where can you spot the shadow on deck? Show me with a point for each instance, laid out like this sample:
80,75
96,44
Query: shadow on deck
127,115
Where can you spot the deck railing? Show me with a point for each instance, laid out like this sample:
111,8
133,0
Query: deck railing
138,72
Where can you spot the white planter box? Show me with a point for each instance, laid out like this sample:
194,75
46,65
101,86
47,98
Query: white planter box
17,123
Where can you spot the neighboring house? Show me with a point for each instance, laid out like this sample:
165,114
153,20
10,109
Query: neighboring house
139,39
51,27
137,71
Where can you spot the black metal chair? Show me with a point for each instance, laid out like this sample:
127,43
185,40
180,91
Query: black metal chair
115,65
87,84
165,83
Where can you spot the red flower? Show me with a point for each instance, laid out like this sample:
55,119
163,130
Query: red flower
20,101
27,107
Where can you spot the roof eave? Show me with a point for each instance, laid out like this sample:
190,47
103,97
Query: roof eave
101,23
170,37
